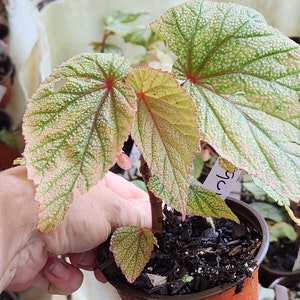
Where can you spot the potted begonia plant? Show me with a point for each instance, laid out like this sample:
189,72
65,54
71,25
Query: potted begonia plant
234,85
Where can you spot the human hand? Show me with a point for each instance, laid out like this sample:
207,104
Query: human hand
29,257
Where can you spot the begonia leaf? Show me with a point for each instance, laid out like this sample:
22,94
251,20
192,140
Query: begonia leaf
75,126
245,78
165,129
201,201
132,248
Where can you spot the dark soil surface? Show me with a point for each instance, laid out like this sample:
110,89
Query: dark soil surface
193,250
281,255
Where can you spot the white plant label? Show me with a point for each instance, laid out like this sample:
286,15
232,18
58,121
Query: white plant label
221,181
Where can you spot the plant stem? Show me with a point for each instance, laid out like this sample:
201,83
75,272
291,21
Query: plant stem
156,203
102,46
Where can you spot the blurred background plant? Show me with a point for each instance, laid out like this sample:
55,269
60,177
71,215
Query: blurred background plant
123,26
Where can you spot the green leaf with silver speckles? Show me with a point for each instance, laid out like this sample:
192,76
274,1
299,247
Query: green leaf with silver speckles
245,78
165,129
205,203
201,202
132,248
282,201
74,126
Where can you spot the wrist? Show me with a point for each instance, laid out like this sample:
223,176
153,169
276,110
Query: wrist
18,214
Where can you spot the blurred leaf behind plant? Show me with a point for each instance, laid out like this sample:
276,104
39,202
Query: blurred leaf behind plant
118,23
7,138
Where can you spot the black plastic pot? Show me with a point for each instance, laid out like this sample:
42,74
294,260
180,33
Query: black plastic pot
267,275
248,286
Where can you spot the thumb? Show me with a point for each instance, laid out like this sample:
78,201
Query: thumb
136,204
59,277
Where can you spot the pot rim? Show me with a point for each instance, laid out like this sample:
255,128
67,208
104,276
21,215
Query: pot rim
286,280
280,274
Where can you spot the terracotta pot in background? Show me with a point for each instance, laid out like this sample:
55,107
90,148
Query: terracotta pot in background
245,289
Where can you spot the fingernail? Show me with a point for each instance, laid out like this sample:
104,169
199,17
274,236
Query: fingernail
58,269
